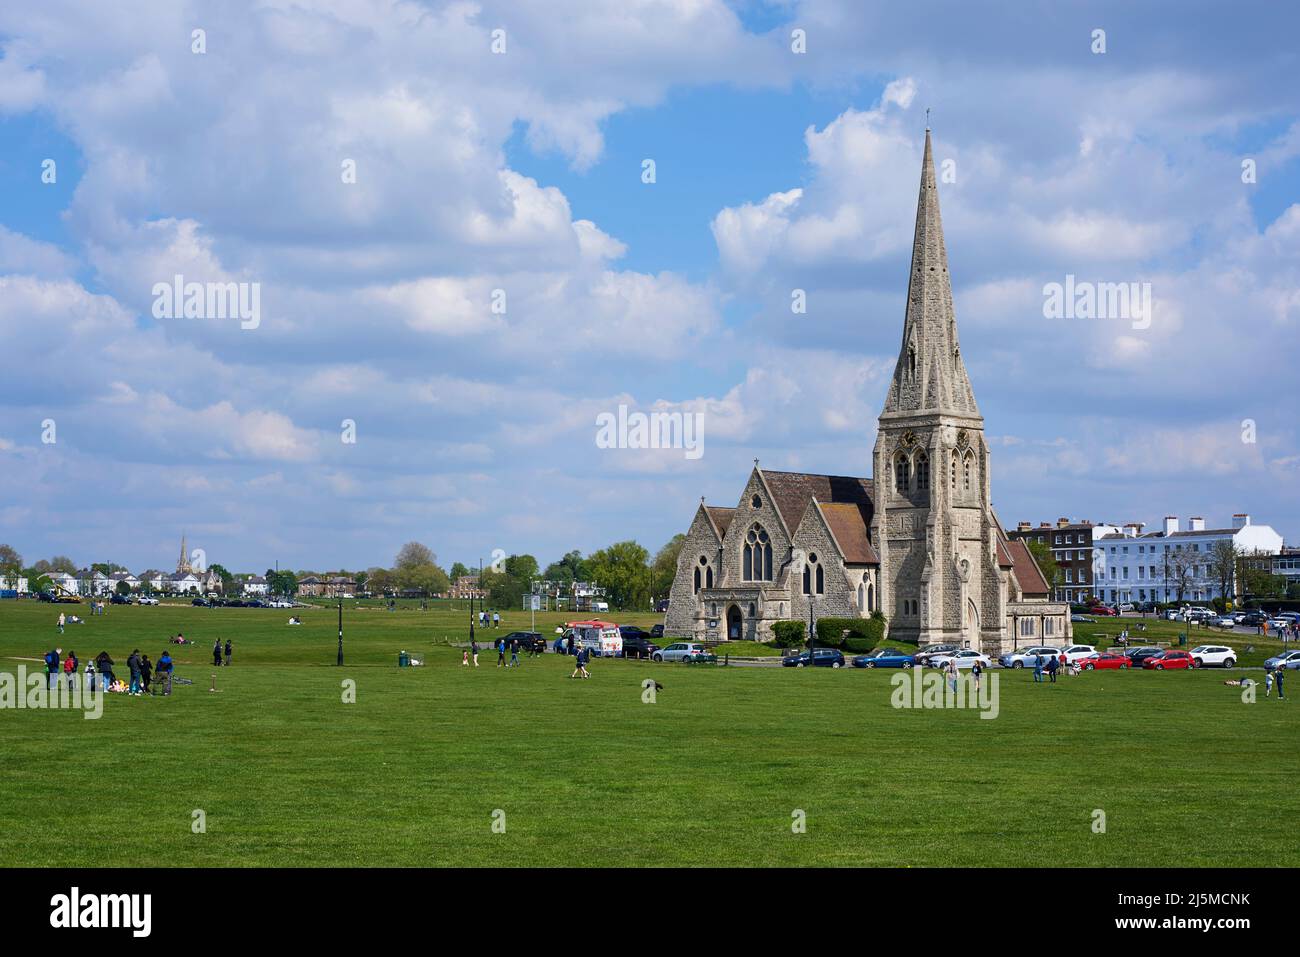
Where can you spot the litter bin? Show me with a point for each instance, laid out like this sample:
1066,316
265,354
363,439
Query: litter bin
403,660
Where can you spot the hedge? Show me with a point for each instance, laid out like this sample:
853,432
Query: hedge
852,634
788,634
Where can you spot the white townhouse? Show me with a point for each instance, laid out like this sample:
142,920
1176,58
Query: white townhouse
183,583
154,579
254,585
64,583
14,582
1130,566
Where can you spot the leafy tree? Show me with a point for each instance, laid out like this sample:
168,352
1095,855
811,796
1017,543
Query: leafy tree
38,581
622,570
458,570
522,568
283,583
9,557
122,588
1224,557
572,567
59,563
380,580
412,554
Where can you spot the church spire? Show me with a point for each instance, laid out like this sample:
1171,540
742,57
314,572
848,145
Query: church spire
930,375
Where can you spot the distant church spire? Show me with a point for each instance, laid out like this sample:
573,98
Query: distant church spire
184,564
930,374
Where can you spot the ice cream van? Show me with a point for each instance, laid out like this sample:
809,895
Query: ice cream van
601,638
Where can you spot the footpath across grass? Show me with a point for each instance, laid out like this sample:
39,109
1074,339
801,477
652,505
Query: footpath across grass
418,768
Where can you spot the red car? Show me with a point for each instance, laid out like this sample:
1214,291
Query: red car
1103,610
1169,660
1105,659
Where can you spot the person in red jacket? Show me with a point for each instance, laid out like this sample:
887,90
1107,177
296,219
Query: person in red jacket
70,669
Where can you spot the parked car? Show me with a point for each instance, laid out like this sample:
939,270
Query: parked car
1025,657
528,641
1124,607
661,606
1224,621
200,602
822,658
884,658
1278,622
45,596
280,603
1168,660
1206,655
922,657
146,600
1103,610
965,658
1138,656
679,651
1077,653
1101,660
636,642
1173,615
1083,619
1287,659
1253,619
116,599
657,631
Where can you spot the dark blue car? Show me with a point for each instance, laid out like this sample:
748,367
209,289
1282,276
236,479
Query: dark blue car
825,658
884,658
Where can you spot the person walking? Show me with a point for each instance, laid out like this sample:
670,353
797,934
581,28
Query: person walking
1268,681
165,666
228,652
580,665
62,621
1278,679
216,654
496,619
950,669
464,658
53,664
70,669
514,654
146,674
1038,668
501,652
90,674
1053,666
975,672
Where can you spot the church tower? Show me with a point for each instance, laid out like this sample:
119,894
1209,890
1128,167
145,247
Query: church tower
934,528
183,566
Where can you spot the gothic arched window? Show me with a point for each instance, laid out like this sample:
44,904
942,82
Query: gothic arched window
697,581
756,560
911,361
955,457
967,464
901,476
922,472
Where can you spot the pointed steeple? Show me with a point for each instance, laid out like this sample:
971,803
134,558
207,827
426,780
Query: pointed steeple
930,375
183,565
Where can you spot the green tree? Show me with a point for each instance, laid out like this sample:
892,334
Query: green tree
623,571
122,588
283,583
458,570
227,579
572,567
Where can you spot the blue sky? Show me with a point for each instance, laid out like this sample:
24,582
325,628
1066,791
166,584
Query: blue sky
521,172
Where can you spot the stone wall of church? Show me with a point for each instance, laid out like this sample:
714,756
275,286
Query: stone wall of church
839,599
683,607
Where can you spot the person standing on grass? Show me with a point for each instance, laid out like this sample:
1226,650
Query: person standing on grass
473,648
228,651
501,652
1053,666
70,668
62,621
104,665
165,671
90,674
464,658
1268,681
1278,678
496,619
146,673
216,654
1038,668
975,672
951,669
133,663
514,654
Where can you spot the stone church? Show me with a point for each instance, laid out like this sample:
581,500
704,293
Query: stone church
920,543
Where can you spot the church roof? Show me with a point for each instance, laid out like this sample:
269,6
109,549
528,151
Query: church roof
721,517
1028,575
930,374
850,525
792,491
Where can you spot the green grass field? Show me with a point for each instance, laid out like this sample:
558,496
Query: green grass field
587,774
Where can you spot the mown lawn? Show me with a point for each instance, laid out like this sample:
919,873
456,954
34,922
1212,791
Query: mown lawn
588,774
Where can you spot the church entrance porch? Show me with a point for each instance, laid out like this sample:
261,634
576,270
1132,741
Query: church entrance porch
735,624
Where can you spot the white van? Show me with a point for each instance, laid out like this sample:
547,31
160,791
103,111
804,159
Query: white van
601,638
600,606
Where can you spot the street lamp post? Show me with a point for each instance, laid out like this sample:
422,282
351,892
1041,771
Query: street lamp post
340,661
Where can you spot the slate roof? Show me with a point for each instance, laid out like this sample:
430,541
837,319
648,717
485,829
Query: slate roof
851,524
792,491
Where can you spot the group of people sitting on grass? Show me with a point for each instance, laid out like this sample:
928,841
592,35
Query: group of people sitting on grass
99,673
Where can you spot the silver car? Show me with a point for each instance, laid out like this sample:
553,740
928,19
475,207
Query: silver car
679,651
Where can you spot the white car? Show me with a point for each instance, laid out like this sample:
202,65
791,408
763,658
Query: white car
1076,652
965,658
1224,621
1025,658
1207,655
1279,623
146,600
280,603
